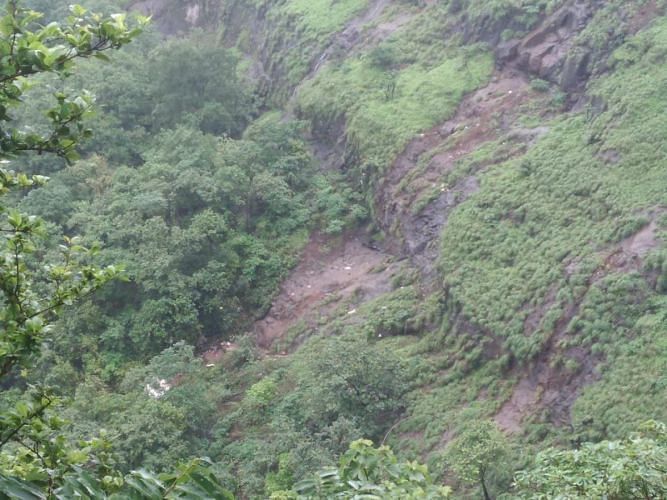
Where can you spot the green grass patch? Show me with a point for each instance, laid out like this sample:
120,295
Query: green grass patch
385,109
320,17
508,245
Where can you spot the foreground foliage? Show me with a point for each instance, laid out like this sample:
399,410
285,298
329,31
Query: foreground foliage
36,460
632,468
368,472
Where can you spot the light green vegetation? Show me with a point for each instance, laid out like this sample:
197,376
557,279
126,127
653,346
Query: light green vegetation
369,471
633,385
385,110
537,236
293,33
391,93
322,17
509,245
631,468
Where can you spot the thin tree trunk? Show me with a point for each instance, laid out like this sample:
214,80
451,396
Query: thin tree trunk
486,492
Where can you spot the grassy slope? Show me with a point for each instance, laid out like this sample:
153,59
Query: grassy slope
292,32
380,126
506,250
572,203
410,82
323,17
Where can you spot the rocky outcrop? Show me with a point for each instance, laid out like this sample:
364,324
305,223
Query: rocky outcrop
549,52
415,179
555,52
172,17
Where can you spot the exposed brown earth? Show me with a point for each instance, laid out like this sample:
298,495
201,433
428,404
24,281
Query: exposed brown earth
644,15
483,116
642,242
332,272
326,277
329,273
546,385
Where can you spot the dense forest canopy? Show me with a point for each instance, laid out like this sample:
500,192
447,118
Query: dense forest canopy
333,249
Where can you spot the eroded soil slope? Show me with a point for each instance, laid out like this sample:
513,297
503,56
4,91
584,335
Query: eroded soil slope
332,272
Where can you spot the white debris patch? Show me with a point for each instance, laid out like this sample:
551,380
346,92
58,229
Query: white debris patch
156,392
192,14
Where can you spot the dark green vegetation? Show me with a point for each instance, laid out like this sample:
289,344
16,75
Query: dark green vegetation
526,193
38,461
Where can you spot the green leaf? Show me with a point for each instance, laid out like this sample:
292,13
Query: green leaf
20,490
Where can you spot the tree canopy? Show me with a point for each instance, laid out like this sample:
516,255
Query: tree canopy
36,460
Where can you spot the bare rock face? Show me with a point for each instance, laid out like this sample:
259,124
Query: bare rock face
548,51
508,51
575,70
172,17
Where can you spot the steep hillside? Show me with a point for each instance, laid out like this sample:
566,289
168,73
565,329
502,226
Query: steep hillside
511,152
435,224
